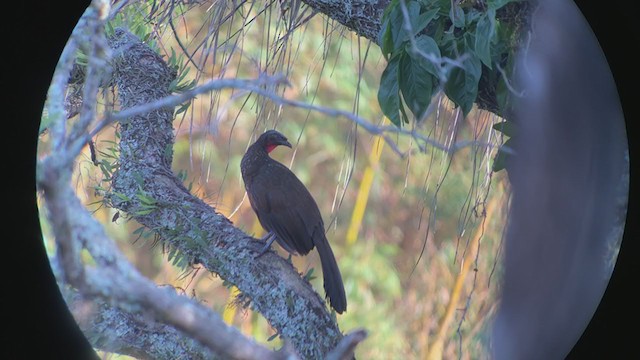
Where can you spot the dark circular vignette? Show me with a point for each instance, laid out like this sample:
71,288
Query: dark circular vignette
605,336
39,321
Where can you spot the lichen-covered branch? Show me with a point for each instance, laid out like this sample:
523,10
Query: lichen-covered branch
189,225
111,279
111,329
114,281
361,16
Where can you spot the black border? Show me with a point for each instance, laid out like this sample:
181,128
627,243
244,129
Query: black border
34,314
610,334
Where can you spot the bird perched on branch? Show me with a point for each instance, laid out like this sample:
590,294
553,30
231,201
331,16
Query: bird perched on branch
288,212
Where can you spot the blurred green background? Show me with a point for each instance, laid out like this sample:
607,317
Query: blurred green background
417,238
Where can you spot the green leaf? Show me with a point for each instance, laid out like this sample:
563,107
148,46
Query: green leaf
384,40
405,118
497,4
457,16
389,29
472,16
184,107
427,45
145,211
138,231
484,35
309,275
398,34
145,199
387,10
416,83
421,21
388,93
122,196
393,33
506,127
172,58
462,85
500,161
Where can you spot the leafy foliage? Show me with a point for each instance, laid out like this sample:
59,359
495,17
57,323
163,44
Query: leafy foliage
508,128
416,36
136,22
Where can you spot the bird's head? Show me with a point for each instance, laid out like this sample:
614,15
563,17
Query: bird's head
271,139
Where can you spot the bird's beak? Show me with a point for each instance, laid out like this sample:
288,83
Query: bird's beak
286,143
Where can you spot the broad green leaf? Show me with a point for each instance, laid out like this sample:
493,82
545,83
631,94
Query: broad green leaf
413,10
393,33
405,118
462,85
497,4
449,46
484,35
388,93
506,127
457,16
472,16
469,41
423,20
385,40
416,83
427,45
395,24
387,10
500,161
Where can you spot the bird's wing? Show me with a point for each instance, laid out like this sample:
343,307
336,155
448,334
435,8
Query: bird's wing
285,207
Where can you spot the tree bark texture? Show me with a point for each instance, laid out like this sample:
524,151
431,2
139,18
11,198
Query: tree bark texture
111,329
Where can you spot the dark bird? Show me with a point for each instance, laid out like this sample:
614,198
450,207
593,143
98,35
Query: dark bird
288,212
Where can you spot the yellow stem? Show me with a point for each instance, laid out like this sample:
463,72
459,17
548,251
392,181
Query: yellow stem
363,192
230,309
435,350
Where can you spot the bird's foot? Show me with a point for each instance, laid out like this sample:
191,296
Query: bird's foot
269,238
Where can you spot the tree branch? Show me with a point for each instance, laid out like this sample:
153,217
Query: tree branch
113,280
137,334
189,225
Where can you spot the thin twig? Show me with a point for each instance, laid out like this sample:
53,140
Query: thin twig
258,86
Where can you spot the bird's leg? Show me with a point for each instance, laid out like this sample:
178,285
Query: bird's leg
269,238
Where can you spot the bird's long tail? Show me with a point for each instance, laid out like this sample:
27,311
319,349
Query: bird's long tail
331,273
